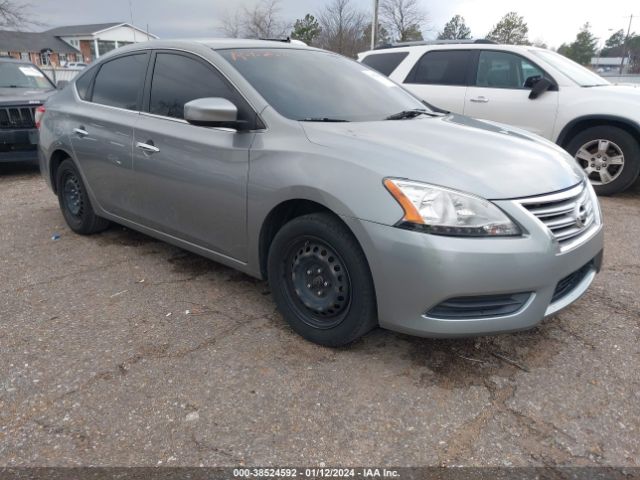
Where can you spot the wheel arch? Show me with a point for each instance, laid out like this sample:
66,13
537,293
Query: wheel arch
279,215
57,157
576,125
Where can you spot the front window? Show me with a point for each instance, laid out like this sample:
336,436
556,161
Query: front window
307,84
577,73
504,70
22,75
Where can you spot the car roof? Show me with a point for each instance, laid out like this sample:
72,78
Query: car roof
449,46
221,43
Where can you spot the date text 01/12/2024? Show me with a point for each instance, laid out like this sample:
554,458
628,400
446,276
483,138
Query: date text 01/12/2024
315,473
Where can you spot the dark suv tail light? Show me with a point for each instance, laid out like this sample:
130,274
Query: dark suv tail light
39,114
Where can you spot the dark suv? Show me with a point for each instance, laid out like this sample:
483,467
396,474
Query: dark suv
23,88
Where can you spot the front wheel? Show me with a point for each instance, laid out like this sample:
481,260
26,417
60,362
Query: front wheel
321,280
609,156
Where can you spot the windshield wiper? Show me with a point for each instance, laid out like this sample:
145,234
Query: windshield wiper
408,114
323,119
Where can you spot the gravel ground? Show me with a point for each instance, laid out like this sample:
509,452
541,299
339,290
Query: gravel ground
100,364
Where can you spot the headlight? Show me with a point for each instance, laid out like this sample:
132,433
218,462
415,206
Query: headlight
442,211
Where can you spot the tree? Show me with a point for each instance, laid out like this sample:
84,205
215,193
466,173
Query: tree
455,29
540,43
583,48
633,48
261,21
306,29
613,45
14,15
382,37
343,28
511,29
231,24
404,19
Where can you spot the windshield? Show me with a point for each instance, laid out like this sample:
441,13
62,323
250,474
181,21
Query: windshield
22,75
576,72
321,86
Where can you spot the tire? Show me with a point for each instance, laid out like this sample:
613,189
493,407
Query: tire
596,158
321,282
74,201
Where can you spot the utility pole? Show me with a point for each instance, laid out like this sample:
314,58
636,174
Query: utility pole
624,45
374,25
131,16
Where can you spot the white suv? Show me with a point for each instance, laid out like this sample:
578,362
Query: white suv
531,88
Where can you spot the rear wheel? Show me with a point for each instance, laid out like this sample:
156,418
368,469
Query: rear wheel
321,281
74,201
609,156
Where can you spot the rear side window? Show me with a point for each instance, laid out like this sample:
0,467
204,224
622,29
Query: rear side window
119,82
441,67
83,84
178,79
385,63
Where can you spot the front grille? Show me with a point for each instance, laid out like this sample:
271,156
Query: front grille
483,306
18,117
570,215
571,281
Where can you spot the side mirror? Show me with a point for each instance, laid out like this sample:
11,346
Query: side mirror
539,88
61,84
212,112
532,80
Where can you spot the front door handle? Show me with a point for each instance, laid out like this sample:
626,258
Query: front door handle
479,100
148,147
80,131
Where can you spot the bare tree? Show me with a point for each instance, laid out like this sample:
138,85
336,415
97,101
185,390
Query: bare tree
231,24
343,28
14,15
260,21
404,19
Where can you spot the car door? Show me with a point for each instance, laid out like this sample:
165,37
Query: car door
101,129
500,92
191,181
440,78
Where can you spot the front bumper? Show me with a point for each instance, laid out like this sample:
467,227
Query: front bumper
18,145
414,272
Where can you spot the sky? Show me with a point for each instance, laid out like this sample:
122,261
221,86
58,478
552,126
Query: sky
553,21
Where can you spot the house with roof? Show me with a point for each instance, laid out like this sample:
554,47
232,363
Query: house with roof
74,43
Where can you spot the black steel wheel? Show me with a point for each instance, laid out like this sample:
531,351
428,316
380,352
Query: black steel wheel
74,201
320,280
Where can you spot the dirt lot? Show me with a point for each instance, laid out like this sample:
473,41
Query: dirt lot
101,364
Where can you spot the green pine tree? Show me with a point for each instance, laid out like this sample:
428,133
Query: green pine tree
306,29
511,30
455,29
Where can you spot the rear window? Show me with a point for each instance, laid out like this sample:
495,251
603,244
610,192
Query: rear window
385,63
441,67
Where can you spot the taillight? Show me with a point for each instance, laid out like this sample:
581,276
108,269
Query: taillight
39,114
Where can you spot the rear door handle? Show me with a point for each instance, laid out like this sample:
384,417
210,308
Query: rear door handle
80,131
147,147
479,100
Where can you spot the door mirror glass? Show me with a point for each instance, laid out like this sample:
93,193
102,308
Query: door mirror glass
540,87
211,112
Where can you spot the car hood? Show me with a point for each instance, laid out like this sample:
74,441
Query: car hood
484,158
23,96
620,89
